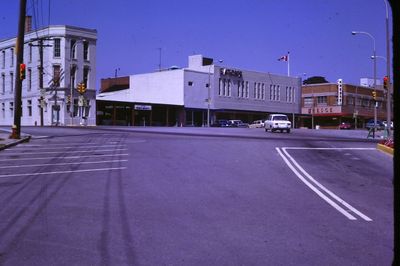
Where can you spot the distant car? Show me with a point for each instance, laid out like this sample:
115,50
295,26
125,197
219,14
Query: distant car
237,123
220,123
345,125
370,124
257,124
277,122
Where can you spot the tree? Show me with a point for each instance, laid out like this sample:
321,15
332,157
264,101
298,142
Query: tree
315,80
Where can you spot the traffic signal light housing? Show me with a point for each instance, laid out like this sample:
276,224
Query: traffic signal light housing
81,88
22,71
385,82
374,95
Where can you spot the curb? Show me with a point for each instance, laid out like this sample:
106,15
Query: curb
385,149
14,143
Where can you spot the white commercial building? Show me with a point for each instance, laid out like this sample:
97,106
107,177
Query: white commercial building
188,96
69,54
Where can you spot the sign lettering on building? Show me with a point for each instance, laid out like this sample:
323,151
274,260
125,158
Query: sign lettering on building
231,72
142,107
340,92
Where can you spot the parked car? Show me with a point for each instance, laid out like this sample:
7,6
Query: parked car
370,124
257,124
220,123
345,125
277,122
237,123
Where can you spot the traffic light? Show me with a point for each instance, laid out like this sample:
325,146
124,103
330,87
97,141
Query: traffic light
385,82
374,95
22,71
81,88
68,99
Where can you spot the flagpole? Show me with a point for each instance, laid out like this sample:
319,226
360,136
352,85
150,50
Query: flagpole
288,64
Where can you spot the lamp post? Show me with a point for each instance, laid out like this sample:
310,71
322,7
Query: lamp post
72,56
388,95
209,92
374,57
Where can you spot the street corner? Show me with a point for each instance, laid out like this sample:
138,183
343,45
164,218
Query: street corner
6,142
385,149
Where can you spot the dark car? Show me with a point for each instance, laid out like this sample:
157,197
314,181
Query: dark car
237,123
345,125
370,124
220,123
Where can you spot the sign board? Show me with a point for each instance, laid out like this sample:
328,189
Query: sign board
80,100
142,107
340,92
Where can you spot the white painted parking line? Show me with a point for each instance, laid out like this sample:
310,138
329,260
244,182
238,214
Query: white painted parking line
65,172
62,152
62,164
318,188
83,146
62,158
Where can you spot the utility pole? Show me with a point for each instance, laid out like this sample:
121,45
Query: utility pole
159,64
16,128
41,88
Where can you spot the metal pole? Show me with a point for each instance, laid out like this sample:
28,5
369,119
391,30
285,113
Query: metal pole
389,89
376,103
208,97
16,129
41,81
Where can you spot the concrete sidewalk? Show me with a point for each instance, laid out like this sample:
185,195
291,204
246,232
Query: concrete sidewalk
6,142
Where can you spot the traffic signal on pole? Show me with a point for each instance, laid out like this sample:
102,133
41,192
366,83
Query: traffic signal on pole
68,99
81,88
385,82
374,95
22,71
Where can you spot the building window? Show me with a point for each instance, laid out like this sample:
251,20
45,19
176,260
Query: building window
229,88
11,82
57,48
308,101
29,106
11,109
86,76
3,83
12,57
56,75
86,51
73,49
262,91
3,110
29,79
221,84
190,83
3,59
322,100
30,53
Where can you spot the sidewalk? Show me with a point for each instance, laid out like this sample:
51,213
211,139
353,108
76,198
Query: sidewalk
6,142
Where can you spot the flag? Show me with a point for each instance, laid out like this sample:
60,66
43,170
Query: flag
283,58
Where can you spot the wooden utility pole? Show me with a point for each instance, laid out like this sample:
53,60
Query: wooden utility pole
16,128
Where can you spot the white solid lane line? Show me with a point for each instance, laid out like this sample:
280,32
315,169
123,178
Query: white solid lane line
65,172
330,193
56,164
313,188
62,158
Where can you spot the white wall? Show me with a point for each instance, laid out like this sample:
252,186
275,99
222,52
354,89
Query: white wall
164,87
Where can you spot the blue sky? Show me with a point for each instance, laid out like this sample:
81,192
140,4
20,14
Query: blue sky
246,34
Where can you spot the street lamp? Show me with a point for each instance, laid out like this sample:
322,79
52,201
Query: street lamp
72,56
209,93
374,57
388,94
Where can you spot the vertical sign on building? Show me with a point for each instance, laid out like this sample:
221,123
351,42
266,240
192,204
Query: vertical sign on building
339,91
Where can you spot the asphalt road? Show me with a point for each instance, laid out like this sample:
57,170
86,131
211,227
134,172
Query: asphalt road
112,196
